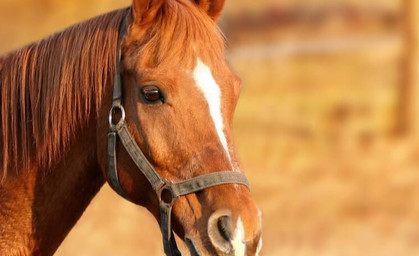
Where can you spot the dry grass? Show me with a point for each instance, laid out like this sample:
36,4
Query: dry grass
314,135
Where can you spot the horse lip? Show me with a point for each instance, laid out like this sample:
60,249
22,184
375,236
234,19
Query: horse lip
192,247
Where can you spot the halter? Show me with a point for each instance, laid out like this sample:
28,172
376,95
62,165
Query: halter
160,185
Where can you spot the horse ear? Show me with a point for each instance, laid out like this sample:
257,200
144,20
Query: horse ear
212,7
145,11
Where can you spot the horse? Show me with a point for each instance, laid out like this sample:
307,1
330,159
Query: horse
141,98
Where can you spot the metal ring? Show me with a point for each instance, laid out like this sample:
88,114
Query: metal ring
111,124
166,187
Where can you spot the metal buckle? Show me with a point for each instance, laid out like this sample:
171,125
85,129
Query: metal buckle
166,187
113,126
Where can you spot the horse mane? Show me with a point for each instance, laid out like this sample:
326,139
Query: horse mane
48,89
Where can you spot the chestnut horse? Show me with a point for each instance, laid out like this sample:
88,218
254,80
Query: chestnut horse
178,97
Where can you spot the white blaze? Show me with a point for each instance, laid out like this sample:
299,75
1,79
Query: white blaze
238,242
211,90
259,248
260,244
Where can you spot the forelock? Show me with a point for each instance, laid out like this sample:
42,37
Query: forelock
180,34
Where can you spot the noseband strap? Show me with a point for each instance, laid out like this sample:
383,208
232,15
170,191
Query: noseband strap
161,186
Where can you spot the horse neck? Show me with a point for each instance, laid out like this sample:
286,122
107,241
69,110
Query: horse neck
39,207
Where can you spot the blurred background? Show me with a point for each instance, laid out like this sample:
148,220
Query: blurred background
327,127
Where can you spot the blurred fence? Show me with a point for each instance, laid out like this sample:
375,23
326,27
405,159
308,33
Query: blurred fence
374,32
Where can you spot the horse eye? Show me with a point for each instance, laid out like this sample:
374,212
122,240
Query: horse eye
151,94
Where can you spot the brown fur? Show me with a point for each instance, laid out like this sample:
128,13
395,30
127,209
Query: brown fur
178,28
55,99
53,82
47,90
212,8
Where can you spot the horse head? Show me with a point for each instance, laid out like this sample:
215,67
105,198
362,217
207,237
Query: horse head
179,96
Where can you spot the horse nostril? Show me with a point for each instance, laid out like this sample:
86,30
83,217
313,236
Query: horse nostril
220,231
225,227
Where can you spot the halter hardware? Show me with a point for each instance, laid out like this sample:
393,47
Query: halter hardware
112,125
159,185
160,194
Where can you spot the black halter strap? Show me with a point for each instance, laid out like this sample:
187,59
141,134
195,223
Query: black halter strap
158,184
